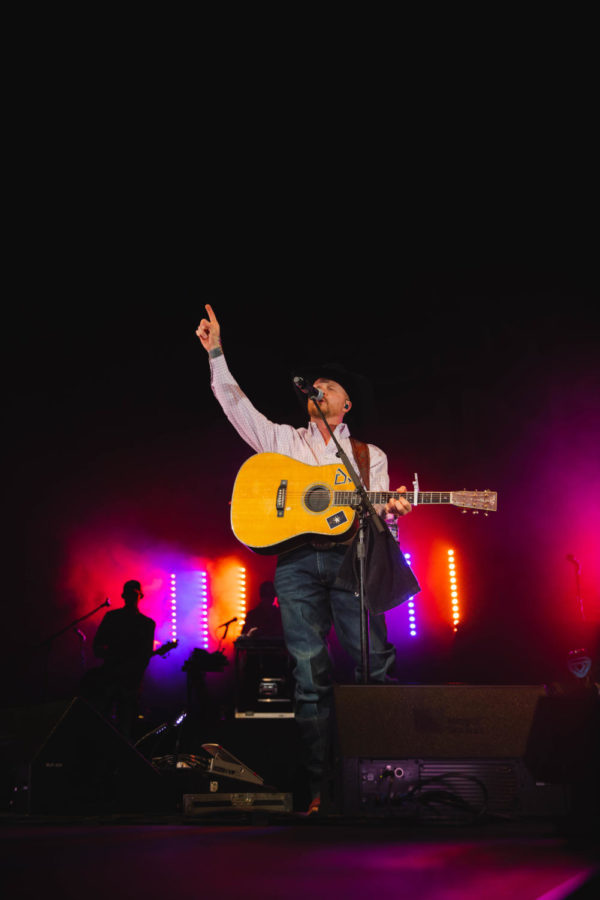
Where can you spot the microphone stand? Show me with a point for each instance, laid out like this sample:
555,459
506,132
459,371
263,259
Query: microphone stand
222,640
53,637
47,643
365,510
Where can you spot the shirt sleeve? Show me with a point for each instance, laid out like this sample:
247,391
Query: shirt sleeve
378,470
378,475
252,426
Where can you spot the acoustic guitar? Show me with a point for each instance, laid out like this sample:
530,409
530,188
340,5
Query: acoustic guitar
278,502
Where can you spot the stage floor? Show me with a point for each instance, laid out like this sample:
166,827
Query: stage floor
297,857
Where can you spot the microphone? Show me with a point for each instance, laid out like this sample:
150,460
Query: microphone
224,625
309,389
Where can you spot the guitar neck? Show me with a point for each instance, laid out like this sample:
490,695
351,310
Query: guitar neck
350,498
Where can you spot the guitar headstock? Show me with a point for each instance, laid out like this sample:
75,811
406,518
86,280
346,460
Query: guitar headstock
484,501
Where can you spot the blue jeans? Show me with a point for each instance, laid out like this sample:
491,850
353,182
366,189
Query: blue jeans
310,605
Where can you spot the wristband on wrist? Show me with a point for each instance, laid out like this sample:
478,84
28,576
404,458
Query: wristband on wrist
216,351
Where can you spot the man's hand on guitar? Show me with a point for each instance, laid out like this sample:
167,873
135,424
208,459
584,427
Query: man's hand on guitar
209,331
399,507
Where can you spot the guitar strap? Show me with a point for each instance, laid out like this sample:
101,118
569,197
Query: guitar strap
363,459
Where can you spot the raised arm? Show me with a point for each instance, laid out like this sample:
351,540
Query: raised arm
251,425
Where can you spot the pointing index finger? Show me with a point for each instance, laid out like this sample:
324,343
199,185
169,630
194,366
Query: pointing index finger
211,315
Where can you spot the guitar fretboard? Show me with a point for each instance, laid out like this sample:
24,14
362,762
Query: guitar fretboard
351,498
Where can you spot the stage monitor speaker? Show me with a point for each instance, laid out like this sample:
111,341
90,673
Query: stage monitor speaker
64,758
446,751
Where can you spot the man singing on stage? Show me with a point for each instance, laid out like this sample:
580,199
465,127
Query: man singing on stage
305,576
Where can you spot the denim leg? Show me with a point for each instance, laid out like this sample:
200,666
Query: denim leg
346,619
309,604
301,583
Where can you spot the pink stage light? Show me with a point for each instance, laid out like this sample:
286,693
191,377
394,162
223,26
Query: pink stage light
410,605
453,587
173,605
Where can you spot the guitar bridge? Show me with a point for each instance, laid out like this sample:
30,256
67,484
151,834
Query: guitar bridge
281,498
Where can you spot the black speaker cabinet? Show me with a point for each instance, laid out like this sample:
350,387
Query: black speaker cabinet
446,752
64,758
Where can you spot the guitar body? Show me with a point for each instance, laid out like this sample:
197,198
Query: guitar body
279,503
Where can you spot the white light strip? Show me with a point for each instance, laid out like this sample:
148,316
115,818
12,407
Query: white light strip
203,610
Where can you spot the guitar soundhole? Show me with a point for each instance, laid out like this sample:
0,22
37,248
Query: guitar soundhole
317,498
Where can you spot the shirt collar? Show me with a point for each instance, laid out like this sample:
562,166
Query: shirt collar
341,430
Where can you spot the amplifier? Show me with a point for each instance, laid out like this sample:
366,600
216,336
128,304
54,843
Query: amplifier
264,685
445,790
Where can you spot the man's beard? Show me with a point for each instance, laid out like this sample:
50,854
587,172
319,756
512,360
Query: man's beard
313,406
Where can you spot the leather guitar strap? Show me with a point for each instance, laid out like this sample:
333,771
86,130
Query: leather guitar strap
363,459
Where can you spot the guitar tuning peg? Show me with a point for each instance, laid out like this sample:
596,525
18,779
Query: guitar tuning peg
475,512
464,511
486,514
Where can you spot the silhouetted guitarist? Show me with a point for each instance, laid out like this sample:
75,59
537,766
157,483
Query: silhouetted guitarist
125,642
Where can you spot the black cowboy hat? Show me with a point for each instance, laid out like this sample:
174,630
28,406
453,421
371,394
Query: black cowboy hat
357,386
